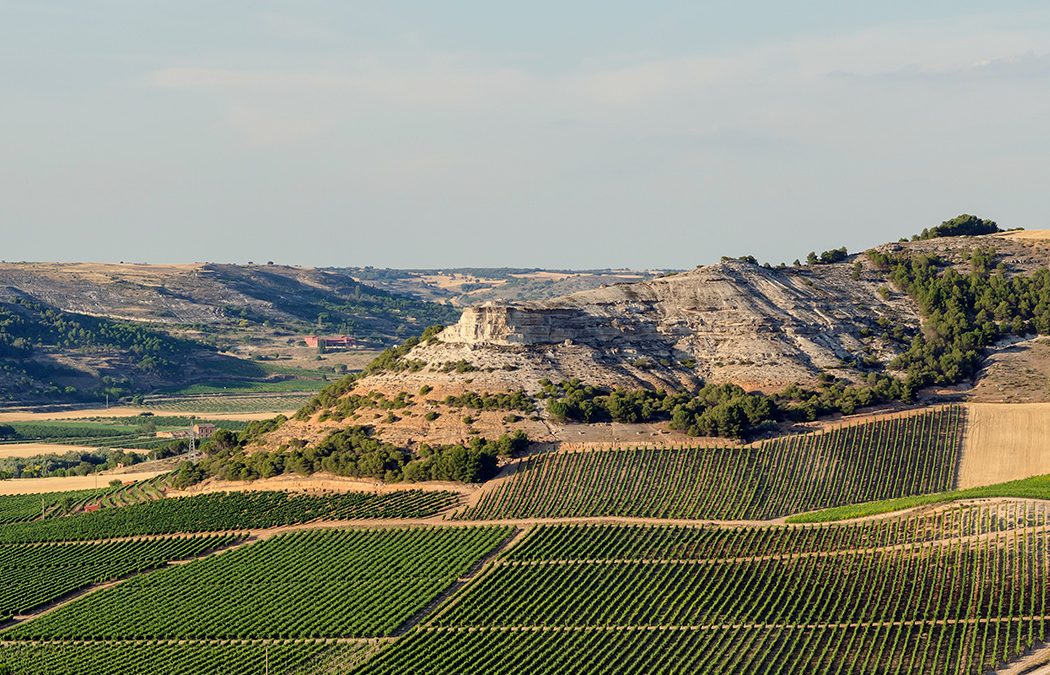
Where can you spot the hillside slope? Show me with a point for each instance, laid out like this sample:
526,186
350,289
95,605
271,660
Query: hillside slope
738,322
729,322
218,296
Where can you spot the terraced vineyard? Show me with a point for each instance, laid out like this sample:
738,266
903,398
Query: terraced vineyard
349,583
25,507
183,658
857,463
959,591
37,574
224,511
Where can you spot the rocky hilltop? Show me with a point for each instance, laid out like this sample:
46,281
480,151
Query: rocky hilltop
736,321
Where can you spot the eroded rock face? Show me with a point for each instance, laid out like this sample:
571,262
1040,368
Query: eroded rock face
730,322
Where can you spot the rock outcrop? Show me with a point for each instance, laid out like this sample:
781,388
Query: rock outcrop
730,322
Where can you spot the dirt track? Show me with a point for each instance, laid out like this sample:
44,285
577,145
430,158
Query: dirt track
1003,442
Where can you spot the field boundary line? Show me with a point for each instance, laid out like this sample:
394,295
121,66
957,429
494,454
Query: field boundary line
61,601
738,626
439,606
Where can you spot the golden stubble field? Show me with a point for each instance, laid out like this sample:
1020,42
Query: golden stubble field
1005,441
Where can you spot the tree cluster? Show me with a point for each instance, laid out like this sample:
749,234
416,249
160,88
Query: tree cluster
964,225
353,451
963,314
827,257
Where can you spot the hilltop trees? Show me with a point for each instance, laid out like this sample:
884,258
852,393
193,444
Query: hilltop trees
959,226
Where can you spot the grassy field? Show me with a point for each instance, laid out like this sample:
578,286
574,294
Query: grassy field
1035,487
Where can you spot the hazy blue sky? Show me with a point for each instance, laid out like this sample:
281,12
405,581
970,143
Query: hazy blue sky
557,134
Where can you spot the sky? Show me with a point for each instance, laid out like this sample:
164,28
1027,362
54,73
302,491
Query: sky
584,134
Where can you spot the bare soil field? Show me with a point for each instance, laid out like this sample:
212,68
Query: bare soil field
17,486
1018,373
1004,442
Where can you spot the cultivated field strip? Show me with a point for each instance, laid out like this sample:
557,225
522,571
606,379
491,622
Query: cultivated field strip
231,403
312,584
640,651
25,507
222,511
862,462
36,574
183,658
960,589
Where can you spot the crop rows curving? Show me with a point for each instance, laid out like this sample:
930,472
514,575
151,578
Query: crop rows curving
185,658
31,506
960,590
230,511
857,463
35,574
313,584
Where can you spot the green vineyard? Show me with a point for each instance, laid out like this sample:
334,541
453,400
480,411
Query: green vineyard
37,574
333,583
26,507
960,591
182,658
857,463
224,511
140,586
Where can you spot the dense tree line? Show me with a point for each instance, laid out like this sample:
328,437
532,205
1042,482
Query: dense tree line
517,400
26,325
964,313
713,410
827,257
71,463
959,226
353,451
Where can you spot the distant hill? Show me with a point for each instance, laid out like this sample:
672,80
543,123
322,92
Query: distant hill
468,286
267,299
47,354
820,337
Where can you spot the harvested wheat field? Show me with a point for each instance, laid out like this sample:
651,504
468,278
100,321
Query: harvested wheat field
1005,441
34,449
1028,234
17,486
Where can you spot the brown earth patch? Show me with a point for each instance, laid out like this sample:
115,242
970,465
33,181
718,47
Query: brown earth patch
1005,442
1017,373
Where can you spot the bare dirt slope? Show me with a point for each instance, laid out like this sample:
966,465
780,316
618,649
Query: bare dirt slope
1016,373
1005,442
